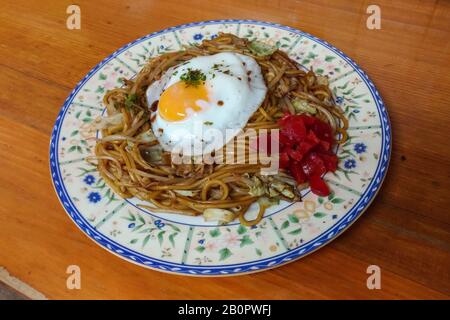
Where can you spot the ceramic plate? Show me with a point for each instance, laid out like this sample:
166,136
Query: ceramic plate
188,245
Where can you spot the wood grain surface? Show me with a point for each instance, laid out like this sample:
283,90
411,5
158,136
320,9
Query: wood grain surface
406,231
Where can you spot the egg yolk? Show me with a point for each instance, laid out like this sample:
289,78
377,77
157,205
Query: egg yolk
175,101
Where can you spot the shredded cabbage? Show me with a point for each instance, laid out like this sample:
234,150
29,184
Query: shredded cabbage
223,216
322,80
257,188
186,193
106,122
152,154
261,49
268,202
147,136
302,106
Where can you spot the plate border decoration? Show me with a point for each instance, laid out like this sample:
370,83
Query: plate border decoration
230,269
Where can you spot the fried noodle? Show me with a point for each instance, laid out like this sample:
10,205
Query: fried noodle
129,161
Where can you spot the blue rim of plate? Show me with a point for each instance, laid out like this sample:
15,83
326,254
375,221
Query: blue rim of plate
231,269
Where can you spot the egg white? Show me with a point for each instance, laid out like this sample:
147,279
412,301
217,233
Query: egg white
233,79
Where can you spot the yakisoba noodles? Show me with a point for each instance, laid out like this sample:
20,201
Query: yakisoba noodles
130,161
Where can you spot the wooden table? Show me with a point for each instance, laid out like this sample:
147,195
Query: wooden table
406,231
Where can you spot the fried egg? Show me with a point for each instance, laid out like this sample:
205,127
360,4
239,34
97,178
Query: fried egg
230,90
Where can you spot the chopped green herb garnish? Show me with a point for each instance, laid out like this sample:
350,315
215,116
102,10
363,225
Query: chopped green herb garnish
131,101
208,123
193,77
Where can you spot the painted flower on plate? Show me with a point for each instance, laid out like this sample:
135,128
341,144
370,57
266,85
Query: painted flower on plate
350,164
159,224
89,179
94,197
211,246
198,36
231,239
360,148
